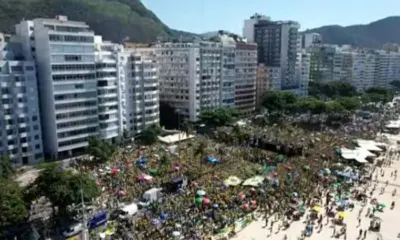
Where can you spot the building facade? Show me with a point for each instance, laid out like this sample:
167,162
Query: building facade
19,112
64,53
277,47
268,78
107,75
139,89
246,76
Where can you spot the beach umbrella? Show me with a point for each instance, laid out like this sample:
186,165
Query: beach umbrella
215,206
342,214
164,216
317,209
245,206
153,172
206,201
232,181
241,196
114,171
176,234
155,222
199,200
201,193
327,171
306,167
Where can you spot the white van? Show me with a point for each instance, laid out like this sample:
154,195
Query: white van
128,211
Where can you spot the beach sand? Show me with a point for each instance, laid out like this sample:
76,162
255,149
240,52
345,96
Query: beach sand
390,225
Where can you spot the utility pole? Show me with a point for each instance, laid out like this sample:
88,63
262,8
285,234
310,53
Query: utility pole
84,219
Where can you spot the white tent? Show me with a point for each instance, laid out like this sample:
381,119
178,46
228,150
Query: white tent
358,154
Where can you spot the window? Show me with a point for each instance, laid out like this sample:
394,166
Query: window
34,118
29,68
37,146
36,137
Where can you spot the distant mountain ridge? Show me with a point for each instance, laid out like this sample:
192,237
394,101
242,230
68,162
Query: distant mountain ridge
372,35
115,20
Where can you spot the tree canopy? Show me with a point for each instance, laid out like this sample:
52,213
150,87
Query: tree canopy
100,150
219,117
149,136
6,168
63,187
332,89
12,208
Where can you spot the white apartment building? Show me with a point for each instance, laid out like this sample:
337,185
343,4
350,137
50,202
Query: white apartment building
363,70
139,89
65,56
180,78
307,40
303,72
248,27
246,76
107,72
21,137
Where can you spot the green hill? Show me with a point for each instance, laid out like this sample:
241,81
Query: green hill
374,34
115,20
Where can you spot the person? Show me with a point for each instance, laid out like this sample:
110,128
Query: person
392,206
360,233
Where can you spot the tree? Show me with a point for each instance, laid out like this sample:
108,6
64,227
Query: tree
379,94
150,135
100,150
219,117
6,168
277,102
395,84
12,206
350,103
64,187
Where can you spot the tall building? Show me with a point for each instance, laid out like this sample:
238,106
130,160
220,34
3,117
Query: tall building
248,27
303,72
246,75
107,71
321,63
277,47
65,55
309,39
139,88
191,77
268,78
21,137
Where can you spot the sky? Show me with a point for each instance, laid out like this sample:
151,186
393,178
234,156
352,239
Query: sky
200,16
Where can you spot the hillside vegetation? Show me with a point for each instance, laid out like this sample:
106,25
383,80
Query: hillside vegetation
115,20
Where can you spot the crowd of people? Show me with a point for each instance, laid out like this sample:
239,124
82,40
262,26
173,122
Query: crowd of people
233,178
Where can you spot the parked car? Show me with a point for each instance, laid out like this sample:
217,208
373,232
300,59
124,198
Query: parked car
73,230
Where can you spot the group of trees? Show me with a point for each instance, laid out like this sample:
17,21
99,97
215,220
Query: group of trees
63,188
331,98
100,150
219,117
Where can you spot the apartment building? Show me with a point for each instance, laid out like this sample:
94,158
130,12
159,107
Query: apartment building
303,72
21,137
321,63
248,27
268,78
246,76
307,40
277,47
139,88
107,75
65,55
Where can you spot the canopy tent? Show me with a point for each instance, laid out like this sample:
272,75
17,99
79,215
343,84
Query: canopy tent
211,159
369,145
232,181
254,181
358,154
